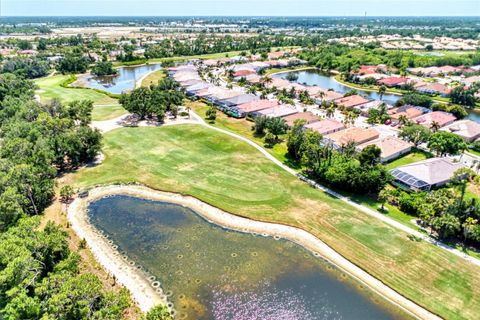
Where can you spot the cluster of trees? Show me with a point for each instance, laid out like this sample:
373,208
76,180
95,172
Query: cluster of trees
73,63
271,128
342,169
155,100
442,143
447,211
26,67
465,97
104,68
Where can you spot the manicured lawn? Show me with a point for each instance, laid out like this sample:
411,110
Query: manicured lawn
52,89
107,112
414,156
153,78
234,176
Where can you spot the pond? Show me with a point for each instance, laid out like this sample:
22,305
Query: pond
314,77
211,273
124,81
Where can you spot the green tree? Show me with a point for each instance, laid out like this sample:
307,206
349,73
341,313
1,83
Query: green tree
370,155
211,114
445,143
159,312
276,126
66,193
415,133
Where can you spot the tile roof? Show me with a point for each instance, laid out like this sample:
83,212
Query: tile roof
389,145
467,129
357,135
307,116
326,126
350,101
440,117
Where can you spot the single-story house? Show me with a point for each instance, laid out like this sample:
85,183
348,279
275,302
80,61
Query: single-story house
281,110
393,81
350,101
243,73
435,88
408,111
471,80
440,117
327,95
244,109
237,100
354,134
467,129
326,126
195,88
427,174
374,104
307,116
392,147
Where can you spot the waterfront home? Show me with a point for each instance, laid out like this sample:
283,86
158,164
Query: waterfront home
391,147
441,118
243,73
251,78
307,116
279,111
426,175
467,129
350,101
435,88
327,95
341,138
326,126
252,107
393,81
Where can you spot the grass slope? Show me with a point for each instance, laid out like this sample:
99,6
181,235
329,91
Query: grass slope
51,88
232,175
107,112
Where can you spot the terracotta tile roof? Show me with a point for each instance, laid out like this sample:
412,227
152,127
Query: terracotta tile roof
350,101
467,129
308,116
389,145
440,117
326,126
257,105
357,135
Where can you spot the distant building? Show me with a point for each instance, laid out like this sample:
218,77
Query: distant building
426,175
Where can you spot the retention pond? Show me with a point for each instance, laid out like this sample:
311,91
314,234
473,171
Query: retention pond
207,272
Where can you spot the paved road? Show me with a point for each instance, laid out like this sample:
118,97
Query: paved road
366,210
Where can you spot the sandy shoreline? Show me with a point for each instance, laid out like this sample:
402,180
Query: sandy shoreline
145,294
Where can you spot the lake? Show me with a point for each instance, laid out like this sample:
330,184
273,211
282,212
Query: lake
211,273
324,80
124,81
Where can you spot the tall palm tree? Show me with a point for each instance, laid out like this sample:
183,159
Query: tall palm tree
381,91
403,120
330,112
435,126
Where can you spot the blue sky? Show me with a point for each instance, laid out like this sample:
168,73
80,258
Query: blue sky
240,7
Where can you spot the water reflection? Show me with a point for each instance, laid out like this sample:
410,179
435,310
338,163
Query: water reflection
208,272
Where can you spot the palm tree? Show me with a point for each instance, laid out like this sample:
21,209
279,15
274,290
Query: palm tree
381,91
267,79
329,112
435,126
403,120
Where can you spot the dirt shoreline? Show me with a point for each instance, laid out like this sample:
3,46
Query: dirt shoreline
146,295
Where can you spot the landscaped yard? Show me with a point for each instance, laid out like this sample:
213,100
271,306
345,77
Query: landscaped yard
234,176
153,78
51,88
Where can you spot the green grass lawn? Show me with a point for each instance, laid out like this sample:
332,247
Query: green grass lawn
414,156
153,78
51,88
234,176
107,112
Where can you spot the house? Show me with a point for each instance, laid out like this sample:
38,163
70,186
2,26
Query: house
426,175
356,135
374,104
243,73
467,129
393,81
327,95
435,88
237,100
471,80
307,116
193,89
251,107
281,110
326,126
391,147
350,101
440,117
408,111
